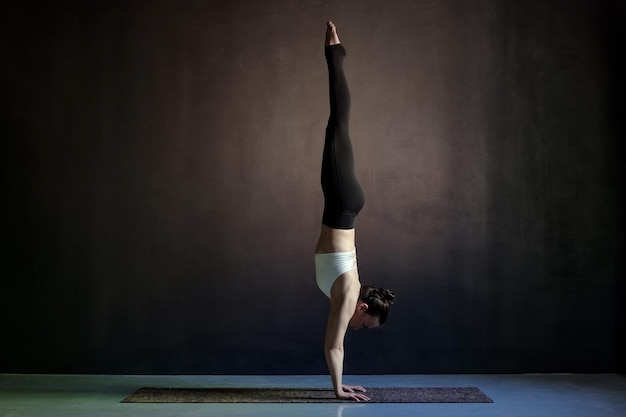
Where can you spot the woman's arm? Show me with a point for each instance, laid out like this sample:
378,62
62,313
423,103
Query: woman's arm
344,296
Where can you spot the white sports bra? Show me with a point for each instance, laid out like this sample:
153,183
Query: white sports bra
330,266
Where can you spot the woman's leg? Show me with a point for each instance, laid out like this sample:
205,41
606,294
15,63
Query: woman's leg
343,195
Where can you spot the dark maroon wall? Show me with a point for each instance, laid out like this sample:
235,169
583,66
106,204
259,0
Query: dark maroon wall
162,190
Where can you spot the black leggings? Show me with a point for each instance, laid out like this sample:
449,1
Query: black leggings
343,195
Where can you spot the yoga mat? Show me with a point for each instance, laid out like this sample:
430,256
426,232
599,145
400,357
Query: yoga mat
304,395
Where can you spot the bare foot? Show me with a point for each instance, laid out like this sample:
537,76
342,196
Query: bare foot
331,34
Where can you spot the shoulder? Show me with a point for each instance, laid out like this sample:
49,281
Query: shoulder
346,289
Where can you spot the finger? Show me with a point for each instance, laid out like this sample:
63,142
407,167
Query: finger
360,389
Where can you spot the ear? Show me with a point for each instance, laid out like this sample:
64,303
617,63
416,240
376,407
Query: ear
362,306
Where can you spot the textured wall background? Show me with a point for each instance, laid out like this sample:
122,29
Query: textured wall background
162,196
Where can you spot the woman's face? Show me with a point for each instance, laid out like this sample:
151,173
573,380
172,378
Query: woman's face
361,320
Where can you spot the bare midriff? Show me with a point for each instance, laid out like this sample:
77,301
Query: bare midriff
335,240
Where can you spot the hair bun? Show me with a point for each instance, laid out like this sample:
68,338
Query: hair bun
387,295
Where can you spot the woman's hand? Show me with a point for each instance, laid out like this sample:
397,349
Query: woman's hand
350,392
352,388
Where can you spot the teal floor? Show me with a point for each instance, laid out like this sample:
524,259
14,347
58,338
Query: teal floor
535,395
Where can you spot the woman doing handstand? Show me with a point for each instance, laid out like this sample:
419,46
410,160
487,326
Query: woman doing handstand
335,254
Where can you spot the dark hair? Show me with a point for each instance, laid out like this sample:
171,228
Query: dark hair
377,300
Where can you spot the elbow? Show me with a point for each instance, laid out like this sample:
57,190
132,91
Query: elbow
333,349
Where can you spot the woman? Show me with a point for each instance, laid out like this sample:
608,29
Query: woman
335,254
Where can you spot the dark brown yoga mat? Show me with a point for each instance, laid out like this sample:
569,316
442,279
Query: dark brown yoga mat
303,395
